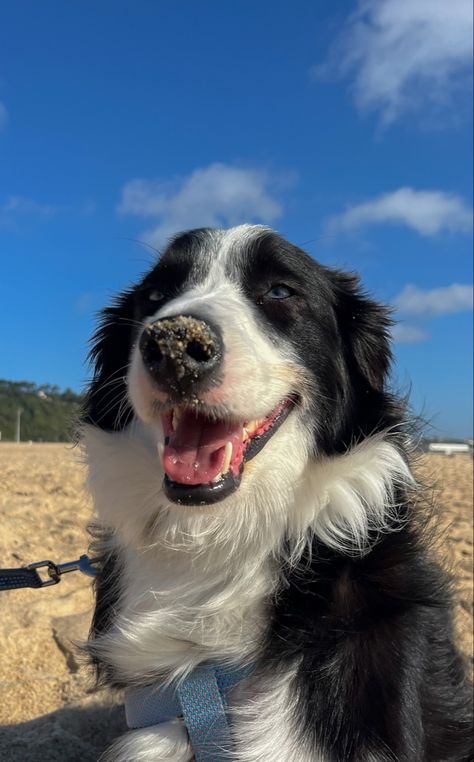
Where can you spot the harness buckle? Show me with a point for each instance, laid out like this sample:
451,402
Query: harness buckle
53,572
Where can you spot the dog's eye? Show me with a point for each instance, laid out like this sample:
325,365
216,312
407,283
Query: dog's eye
154,295
279,291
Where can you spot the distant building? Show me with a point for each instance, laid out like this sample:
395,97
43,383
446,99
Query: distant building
450,448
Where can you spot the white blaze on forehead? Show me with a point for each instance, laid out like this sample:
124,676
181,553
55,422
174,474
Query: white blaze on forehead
220,250
236,240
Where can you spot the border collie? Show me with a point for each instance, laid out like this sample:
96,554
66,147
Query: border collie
255,506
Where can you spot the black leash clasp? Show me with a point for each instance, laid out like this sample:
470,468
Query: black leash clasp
83,564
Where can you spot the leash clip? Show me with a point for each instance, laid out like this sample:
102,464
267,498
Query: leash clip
83,564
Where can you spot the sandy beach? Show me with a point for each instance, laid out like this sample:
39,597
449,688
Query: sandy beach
48,706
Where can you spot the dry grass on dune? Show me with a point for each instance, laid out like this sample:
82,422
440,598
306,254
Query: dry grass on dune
47,708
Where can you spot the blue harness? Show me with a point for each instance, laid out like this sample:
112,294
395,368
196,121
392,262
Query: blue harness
200,699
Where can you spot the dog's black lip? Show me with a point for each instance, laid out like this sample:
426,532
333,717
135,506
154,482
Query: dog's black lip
258,442
208,494
200,494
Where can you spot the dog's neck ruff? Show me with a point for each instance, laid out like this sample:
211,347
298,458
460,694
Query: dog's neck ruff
200,699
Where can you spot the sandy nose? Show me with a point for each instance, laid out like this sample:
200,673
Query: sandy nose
182,353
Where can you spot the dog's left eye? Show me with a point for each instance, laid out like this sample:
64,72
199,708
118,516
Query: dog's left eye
279,291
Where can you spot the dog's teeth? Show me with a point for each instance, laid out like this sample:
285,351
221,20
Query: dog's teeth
226,464
161,450
227,457
245,434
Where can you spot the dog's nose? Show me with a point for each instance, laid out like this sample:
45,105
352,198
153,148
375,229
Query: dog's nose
182,353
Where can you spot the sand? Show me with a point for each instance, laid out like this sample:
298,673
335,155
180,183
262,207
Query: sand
48,709
48,706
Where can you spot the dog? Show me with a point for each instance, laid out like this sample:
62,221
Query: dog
256,508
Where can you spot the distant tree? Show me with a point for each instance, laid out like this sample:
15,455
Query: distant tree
49,417
68,395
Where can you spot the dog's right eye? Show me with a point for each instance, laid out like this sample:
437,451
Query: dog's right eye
154,295
147,300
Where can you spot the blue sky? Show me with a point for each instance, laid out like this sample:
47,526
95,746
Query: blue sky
344,125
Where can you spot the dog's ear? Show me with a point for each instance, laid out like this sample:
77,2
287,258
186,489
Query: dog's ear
366,324
105,403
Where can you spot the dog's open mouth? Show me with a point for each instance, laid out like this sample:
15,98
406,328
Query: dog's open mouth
204,459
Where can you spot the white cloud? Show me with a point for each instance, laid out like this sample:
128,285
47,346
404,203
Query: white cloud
404,54
3,115
427,212
19,206
217,195
404,333
420,303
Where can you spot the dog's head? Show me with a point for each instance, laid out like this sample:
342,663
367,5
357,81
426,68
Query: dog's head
243,361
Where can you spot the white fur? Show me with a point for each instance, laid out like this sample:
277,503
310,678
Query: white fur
344,497
265,722
167,742
196,578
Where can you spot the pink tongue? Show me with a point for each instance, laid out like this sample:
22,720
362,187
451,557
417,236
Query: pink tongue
196,449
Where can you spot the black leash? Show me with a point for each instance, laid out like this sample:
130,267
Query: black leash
29,576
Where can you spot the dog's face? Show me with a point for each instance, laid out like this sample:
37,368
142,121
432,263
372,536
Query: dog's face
245,360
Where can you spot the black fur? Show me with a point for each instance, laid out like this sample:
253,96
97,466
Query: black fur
378,670
107,587
341,335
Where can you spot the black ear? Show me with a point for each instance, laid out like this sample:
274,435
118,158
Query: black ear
106,404
365,328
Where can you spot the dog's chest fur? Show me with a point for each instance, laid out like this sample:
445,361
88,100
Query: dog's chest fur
178,608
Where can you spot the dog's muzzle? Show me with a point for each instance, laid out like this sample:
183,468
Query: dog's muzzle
182,354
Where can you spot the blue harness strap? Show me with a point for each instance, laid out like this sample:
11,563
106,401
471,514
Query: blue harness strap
200,699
